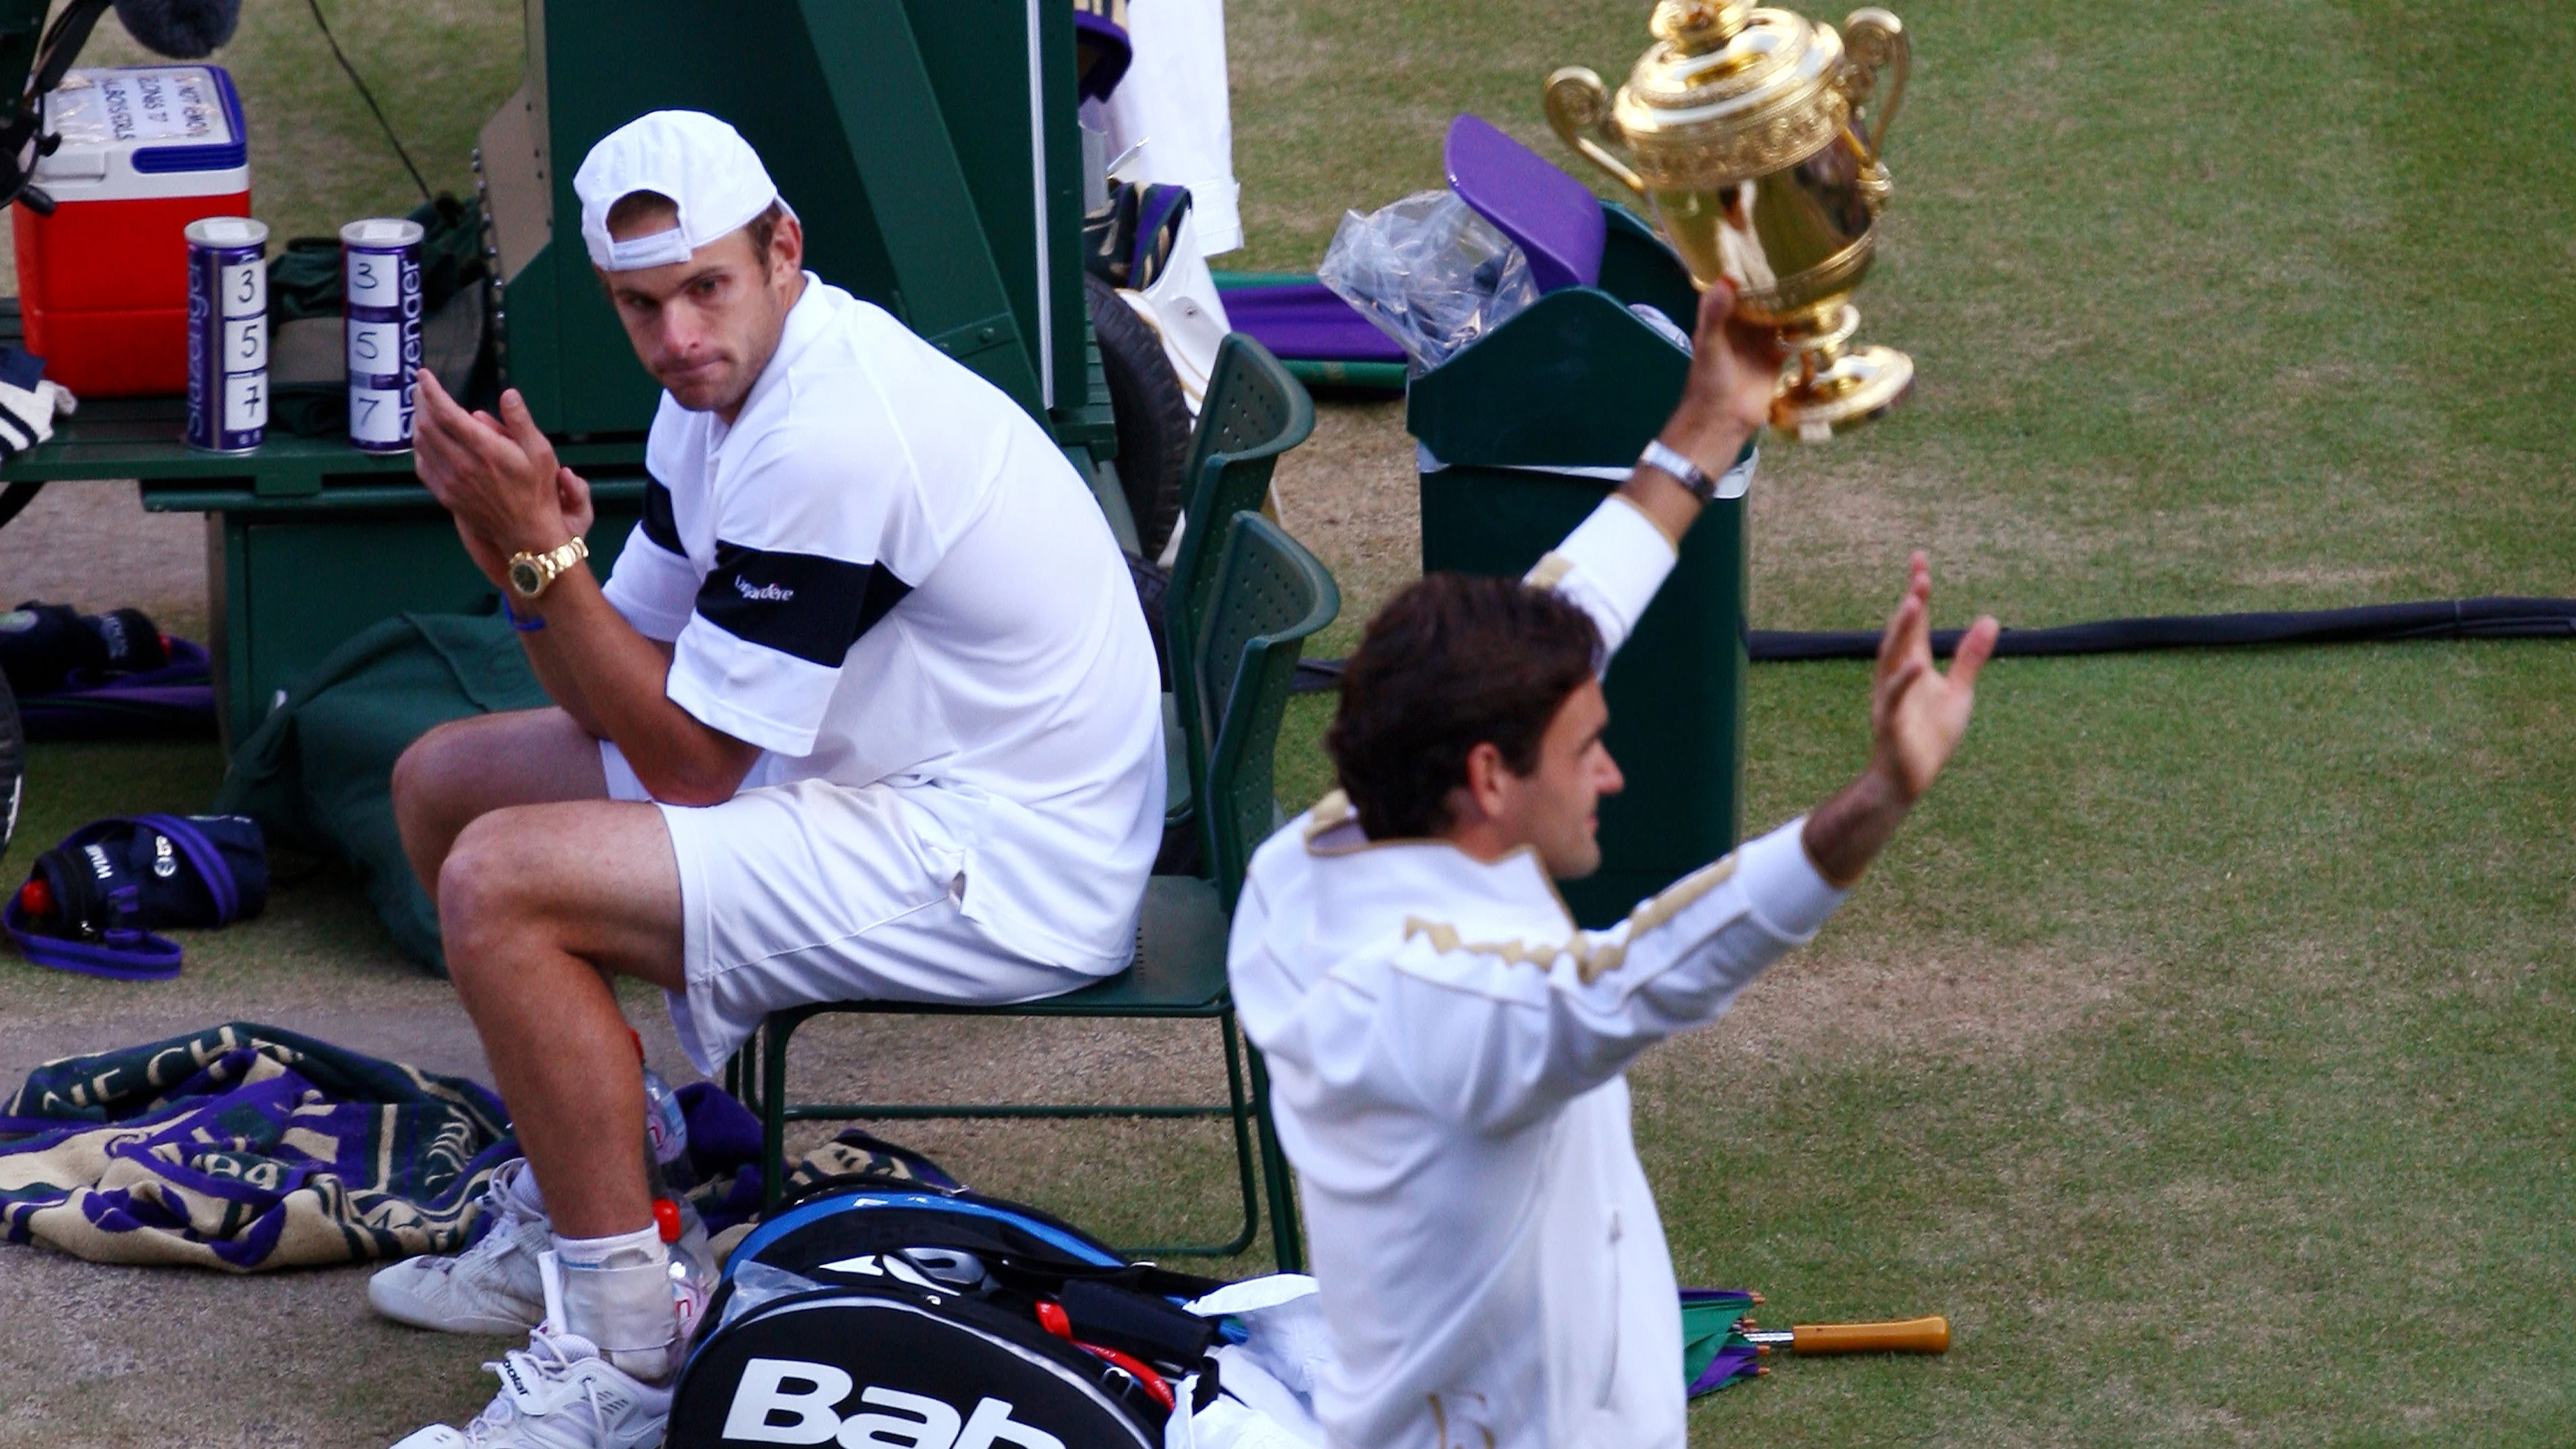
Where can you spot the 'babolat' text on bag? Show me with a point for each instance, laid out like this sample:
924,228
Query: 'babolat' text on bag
899,1316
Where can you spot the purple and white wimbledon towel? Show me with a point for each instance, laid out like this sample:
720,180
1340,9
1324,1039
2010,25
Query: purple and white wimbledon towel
244,1147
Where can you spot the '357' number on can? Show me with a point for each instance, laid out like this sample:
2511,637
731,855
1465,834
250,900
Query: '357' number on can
227,333
381,276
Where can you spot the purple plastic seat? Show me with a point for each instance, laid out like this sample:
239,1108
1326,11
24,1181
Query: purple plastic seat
1554,219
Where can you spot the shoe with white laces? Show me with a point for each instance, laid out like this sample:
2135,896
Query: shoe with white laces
491,1287
558,1393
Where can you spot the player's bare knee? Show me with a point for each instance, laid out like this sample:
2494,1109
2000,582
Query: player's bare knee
426,775
481,887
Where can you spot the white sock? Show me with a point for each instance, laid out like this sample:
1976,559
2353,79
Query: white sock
605,1252
524,1189
616,1292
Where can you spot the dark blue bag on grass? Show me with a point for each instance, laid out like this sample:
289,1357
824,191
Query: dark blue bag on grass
882,1313
93,902
174,701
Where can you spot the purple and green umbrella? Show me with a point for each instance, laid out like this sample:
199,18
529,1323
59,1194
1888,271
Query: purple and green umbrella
1723,1346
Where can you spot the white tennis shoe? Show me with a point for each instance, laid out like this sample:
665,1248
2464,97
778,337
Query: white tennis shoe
491,1287
558,1393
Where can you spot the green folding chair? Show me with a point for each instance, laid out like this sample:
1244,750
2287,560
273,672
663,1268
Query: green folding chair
1268,596
1254,412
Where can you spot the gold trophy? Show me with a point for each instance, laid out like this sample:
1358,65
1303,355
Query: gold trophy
1754,135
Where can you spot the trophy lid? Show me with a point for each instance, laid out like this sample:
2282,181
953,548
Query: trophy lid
1729,92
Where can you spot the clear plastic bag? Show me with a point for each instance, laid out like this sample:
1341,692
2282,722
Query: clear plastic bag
756,1283
1430,272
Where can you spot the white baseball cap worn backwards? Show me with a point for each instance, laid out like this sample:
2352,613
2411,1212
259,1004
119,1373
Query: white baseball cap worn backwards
702,164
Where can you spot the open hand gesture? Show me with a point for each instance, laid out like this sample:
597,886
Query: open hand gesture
1916,713
498,476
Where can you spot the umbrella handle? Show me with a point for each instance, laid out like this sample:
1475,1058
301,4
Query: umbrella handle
1914,1335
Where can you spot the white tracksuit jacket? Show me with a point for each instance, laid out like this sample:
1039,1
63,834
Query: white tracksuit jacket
1447,1051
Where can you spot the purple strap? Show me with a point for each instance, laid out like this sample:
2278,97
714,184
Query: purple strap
1160,204
209,860
127,953
122,954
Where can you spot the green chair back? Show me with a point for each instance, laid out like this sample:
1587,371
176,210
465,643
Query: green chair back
1254,411
1271,595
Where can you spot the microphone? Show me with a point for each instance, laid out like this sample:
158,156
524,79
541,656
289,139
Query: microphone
180,29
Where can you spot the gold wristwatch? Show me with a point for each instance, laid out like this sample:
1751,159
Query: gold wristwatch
530,573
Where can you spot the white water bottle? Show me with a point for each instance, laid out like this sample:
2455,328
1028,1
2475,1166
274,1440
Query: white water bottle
693,1269
666,1127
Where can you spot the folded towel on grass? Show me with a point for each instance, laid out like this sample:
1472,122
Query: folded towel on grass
244,1147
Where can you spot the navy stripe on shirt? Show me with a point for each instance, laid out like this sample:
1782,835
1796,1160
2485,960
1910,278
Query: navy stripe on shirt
796,603
660,525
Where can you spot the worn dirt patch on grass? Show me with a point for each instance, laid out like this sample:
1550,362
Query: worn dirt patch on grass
1351,495
1085,1170
124,1356
990,1059
2359,580
1869,1000
1841,517
92,544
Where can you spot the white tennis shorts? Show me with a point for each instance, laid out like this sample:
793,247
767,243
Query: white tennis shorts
811,891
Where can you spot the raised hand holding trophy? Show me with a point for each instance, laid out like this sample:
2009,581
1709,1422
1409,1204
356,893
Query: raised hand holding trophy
1754,135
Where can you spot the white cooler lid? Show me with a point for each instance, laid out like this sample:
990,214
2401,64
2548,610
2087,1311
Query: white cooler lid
136,132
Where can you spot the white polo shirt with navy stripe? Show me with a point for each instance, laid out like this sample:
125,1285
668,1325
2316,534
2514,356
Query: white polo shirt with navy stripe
885,572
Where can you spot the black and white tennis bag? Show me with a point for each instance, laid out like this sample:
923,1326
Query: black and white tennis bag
872,1315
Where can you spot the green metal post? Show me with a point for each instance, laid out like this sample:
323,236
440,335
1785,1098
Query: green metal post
1287,1241
22,26
772,1036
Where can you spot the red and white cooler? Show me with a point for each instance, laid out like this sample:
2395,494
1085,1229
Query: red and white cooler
103,282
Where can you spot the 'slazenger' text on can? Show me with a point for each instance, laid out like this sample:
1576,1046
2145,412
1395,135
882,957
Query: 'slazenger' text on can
227,333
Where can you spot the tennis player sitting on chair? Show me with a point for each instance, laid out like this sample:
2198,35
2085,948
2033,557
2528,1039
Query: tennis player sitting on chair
1447,1048
867,709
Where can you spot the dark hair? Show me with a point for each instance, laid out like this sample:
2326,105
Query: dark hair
1452,662
761,229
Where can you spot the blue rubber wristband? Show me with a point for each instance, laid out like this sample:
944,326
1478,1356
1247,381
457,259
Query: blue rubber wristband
528,625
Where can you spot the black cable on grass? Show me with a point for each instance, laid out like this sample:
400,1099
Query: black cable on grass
2493,618
367,95
15,498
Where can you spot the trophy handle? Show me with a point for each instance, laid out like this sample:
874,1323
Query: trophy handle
1875,40
1579,108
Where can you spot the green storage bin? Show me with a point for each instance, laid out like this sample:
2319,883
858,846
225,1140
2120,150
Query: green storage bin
1578,382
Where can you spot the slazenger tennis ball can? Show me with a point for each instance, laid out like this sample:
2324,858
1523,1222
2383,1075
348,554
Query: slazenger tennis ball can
381,261
227,333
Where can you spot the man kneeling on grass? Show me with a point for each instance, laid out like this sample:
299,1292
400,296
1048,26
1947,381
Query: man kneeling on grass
1448,1048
